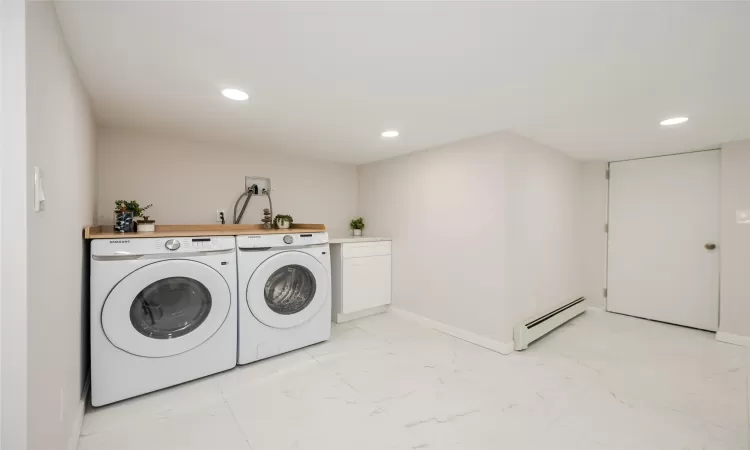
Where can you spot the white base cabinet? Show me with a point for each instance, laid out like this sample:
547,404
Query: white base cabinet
360,278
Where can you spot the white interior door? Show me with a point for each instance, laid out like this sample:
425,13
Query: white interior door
663,222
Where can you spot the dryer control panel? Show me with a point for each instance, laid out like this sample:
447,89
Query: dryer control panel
282,240
155,246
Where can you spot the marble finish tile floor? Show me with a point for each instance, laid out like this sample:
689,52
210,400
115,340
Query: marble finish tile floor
602,381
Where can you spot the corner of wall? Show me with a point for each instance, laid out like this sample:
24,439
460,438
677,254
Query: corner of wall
502,175
62,140
78,413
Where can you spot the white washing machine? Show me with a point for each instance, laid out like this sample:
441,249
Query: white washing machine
163,312
284,291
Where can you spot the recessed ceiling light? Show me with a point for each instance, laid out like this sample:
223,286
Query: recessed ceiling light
674,121
389,134
235,94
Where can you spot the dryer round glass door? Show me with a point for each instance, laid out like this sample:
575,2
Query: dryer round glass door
166,308
287,289
290,289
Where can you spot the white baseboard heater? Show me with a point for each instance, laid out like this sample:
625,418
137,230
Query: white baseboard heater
535,327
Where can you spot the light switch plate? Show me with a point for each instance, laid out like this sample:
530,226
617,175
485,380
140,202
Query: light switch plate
38,189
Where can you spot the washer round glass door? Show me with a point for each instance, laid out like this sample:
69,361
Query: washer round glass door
166,308
287,289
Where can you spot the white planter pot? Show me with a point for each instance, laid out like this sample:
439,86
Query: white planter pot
282,224
144,227
356,232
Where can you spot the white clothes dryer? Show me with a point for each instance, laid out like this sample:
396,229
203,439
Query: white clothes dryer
163,312
284,291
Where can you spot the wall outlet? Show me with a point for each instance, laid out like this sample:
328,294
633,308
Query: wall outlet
262,183
219,213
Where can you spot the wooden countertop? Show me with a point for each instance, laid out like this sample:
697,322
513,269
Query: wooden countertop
108,232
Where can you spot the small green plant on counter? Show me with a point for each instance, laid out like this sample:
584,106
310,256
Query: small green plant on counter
132,205
281,219
357,224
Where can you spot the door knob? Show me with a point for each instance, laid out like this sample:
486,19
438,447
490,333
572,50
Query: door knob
710,246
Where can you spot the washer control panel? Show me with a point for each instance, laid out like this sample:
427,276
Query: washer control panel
194,244
202,244
288,239
157,246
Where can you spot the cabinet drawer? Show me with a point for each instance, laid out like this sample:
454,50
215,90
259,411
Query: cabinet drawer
366,283
360,249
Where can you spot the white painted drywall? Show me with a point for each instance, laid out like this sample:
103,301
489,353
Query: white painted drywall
484,230
188,181
13,354
592,238
735,239
61,141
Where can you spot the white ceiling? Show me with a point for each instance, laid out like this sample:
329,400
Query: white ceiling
591,79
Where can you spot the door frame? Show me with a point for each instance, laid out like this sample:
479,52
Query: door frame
606,223
13,233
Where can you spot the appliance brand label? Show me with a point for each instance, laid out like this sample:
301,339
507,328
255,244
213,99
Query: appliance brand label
120,242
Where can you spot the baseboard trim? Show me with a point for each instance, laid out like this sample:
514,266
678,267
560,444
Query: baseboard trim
341,318
75,432
734,339
490,344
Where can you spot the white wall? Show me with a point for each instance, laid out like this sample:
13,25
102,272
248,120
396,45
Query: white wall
188,181
13,306
484,230
735,239
61,141
593,239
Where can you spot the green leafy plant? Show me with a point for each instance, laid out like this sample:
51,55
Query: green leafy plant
283,218
357,224
131,205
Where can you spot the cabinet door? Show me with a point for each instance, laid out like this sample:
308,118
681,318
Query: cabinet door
367,283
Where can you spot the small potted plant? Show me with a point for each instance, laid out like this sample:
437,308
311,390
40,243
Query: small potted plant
125,214
357,225
145,225
283,221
